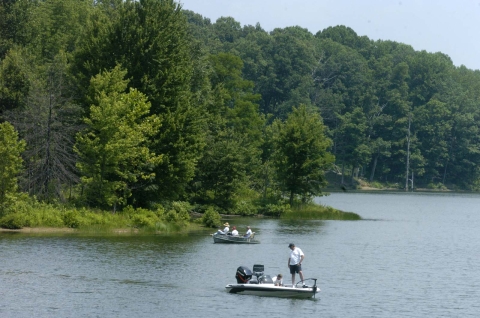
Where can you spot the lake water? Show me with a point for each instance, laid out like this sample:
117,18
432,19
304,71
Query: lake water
413,255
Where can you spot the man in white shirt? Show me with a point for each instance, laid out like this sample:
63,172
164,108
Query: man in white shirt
295,262
234,231
249,232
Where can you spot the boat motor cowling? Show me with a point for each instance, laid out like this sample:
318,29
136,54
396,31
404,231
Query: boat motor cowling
243,275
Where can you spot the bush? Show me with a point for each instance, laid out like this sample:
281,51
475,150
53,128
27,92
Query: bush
245,208
13,221
178,212
211,218
144,219
276,210
182,209
436,186
72,219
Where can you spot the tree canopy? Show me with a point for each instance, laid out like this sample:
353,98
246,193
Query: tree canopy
142,103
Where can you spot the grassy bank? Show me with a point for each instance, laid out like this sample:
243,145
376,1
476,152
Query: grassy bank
319,212
33,216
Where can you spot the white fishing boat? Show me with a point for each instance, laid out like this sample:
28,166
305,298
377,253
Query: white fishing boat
228,238
262,285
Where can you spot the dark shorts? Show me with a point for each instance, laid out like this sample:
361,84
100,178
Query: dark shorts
295,269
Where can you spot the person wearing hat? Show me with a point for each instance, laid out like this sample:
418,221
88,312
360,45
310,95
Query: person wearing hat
295,262
249,232
225,230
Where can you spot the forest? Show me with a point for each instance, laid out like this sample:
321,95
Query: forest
119,105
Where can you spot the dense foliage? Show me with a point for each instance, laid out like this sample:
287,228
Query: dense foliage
138,104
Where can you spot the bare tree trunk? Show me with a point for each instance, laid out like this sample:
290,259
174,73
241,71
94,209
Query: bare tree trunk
408,155
372,174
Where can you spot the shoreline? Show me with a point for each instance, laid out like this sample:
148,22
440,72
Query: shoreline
40,230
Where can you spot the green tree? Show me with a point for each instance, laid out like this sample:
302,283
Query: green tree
352,143
114,149
56,25
301,155
149,39
15,73
231,157
10,162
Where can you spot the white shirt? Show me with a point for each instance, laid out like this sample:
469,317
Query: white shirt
235,233
296,256
226,229
277,281
249,232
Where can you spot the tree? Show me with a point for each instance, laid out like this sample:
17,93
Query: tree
10,162
114,149
230,158
301,154
48,121
16,70
150,40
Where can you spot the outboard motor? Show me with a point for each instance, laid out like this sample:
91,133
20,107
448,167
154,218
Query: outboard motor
243,275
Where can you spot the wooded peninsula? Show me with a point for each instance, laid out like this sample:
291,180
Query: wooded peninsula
136,114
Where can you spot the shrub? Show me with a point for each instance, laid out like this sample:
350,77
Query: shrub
244,208
144,219
171,216
211,218
182,209
276,210
72,219
436,186
13,221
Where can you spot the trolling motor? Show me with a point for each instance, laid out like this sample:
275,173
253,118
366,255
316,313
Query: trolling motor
314,287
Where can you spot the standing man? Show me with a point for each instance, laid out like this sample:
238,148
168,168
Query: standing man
295,262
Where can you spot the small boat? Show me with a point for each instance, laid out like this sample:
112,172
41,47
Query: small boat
263,285
227,238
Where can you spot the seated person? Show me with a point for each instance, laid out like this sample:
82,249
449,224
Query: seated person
249,232
225,230
278,280
234,231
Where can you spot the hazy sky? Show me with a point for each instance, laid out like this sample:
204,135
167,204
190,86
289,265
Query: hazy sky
448,26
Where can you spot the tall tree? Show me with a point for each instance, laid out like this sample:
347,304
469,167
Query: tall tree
301,154
114,148
231,157
48,121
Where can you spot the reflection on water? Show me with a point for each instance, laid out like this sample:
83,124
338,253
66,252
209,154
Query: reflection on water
418,259
292,227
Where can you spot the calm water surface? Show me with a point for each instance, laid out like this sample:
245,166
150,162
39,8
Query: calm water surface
413,255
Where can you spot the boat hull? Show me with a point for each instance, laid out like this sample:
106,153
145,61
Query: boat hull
269,290
229,239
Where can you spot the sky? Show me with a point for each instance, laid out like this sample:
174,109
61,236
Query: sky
451,27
